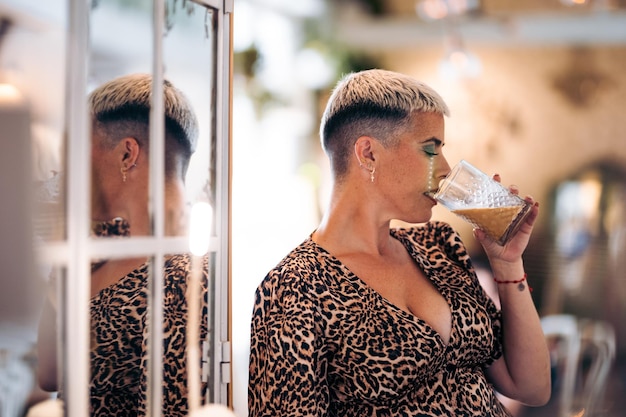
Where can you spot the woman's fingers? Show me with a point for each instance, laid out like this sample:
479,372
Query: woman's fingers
512,188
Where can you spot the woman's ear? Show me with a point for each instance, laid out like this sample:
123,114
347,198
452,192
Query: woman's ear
364,151
129,152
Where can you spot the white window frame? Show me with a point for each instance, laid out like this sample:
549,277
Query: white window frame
74,254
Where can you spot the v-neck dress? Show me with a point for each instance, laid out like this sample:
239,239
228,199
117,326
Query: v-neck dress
324,343
120,332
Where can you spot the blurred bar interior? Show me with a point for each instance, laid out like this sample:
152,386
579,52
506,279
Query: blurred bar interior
536,89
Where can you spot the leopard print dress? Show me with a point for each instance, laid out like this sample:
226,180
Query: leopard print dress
119,335
324,343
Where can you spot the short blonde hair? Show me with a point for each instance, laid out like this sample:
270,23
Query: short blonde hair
121,108
129,96
374,103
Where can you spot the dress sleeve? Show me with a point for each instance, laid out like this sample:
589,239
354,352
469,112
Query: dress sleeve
287,354
495,316
175,318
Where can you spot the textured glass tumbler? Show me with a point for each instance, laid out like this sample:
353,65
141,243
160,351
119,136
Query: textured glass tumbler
485,203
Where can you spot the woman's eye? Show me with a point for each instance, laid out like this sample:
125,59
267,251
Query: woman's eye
430,150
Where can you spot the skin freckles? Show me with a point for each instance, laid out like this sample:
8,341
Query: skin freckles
407,170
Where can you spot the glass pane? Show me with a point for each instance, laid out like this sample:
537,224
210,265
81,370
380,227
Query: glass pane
31,211
189,63
189,51
121,38
120,44
50,357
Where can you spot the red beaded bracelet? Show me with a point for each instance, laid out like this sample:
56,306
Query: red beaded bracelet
517,281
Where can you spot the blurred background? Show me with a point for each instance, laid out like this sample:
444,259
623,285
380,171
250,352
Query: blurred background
537,91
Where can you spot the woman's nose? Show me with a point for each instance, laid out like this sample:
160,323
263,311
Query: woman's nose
444,168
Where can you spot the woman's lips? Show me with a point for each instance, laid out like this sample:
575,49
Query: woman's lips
431,195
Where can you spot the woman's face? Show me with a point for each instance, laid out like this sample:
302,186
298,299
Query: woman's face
411,170
106,177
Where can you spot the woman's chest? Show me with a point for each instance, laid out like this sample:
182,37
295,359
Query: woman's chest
378,350
117,336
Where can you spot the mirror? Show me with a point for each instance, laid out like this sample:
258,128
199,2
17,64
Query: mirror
122,43
145,288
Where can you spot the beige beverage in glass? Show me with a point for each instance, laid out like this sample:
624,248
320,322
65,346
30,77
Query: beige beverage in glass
482,201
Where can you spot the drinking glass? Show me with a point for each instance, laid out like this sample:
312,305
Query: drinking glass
480,200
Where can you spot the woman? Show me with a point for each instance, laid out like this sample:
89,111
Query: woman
120,112
362,319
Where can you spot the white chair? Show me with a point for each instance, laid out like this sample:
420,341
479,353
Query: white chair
584,353
16,382
563,330
598,346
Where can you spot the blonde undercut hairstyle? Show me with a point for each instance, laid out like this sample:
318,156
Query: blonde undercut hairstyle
376,103
121,108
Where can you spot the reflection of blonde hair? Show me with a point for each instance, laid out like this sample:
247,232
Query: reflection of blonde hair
121,108
375,103
128,97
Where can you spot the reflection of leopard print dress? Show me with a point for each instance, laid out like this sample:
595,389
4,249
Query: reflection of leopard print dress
119,336
325,344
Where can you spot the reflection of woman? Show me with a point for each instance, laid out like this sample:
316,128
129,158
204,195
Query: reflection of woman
364,320
120,145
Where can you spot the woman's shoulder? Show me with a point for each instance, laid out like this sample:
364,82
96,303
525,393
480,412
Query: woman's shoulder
434,236
311,272
177,268
436,231
301,262
298,279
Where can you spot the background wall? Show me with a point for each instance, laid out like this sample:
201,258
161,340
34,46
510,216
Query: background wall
536,115
547,102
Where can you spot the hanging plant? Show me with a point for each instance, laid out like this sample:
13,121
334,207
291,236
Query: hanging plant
171,9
